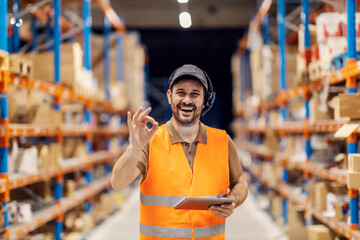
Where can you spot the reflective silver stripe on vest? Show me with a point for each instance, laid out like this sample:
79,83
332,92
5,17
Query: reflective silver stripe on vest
167,201
182,232
160,201
203,232
166,232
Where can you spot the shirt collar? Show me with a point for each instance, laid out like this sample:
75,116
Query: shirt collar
176,138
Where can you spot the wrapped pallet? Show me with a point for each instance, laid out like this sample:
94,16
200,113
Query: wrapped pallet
134,70
71,64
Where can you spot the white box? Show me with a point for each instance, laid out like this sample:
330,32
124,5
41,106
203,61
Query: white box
328,25
332,47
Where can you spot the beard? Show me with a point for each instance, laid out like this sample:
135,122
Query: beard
183,120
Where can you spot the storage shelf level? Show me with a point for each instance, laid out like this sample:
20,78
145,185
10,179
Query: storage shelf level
338,226
337,176
44,216
20,180
28,130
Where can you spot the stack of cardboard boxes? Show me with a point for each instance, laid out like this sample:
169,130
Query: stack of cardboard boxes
72,76
353,179
127,88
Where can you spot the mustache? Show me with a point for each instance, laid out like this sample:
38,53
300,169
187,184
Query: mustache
179,105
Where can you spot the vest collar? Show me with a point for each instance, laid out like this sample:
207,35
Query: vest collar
176,138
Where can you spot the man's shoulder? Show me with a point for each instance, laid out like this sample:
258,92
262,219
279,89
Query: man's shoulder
213,128
215,131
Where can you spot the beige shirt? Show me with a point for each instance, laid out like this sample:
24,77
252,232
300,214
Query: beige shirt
190,150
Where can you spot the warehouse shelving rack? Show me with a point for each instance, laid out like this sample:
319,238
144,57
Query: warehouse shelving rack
346,74
7,130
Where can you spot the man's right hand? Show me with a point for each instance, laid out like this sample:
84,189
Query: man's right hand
140,134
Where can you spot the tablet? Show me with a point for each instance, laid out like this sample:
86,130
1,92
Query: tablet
202,203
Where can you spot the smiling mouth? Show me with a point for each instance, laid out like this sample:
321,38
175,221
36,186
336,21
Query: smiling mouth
187,109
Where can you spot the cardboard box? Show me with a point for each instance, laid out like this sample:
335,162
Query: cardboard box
354,162
349,105
21,65
80,149
296,227
26,160
291,65
18,105
338,188
71,63
44,157
353,179
317,113
4,60
341,210
319,232
276,206
50,155
320,195
118,96
41,115
56,154
43,189
70,187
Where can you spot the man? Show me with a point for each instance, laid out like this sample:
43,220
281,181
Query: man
183,158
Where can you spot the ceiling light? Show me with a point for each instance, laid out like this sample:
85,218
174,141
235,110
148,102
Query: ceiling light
185,19
183,1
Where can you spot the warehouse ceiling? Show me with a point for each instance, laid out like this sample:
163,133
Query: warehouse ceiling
164,13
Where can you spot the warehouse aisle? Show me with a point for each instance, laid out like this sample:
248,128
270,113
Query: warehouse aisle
247,223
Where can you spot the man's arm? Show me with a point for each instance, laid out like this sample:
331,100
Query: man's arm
125,169
239,191
238,185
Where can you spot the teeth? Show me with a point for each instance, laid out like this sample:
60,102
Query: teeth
187,109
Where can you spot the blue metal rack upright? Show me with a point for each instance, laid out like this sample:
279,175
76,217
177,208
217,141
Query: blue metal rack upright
15,28
87,63
351,84
4,120
107,31
282,78
57,81
307,136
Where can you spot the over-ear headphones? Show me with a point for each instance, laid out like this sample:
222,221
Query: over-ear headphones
193,72
209,96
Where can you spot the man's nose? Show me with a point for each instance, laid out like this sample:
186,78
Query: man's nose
187,99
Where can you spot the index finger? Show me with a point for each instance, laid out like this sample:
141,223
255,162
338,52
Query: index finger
135,116
144,114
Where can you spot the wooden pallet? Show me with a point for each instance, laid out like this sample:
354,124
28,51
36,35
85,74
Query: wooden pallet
21,65
4,60
318,70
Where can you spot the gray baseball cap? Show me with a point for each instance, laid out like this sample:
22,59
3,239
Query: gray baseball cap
188,71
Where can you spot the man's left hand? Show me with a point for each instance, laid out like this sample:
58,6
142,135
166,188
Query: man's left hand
223,211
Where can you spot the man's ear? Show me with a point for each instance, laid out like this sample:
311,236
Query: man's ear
168,94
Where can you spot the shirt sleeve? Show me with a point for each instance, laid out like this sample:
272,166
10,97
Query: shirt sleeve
234,164
143,161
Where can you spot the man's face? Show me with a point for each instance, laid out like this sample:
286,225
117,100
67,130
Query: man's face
187,101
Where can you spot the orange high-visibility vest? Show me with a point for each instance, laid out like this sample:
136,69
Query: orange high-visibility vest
169,180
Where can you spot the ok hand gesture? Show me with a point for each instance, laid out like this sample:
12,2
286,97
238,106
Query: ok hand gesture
140,134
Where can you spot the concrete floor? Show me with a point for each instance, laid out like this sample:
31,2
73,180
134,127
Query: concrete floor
248,222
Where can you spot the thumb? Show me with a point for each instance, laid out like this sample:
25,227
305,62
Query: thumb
154,128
